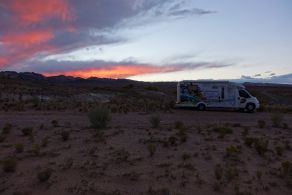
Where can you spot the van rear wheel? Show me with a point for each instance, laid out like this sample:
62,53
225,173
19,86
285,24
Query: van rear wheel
250,107
201,107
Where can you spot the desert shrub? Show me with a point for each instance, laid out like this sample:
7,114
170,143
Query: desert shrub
287,145
245,131
65,135
99,117
44,175
55,123
151,88
261,146
129,86
236,125
179,125
217,187
232,152
27,131
277,119
44,142
155,121
218,172
248,141
6,129
9,165
279,150
287,168
222,130
285,126
286,172
259,174
151,149
261,124
36,149
172,140
186,156
2,138
182,135
231,173
19,148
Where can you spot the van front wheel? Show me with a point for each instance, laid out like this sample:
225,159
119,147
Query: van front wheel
201,107
250,107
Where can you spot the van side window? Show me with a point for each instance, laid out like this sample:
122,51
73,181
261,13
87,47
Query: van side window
243,93
222,93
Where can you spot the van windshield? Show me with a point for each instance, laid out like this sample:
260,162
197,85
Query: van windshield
244,94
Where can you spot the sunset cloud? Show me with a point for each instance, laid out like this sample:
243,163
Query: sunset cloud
26,38
105,69
34,28
35,11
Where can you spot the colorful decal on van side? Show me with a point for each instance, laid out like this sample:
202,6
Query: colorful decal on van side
191,93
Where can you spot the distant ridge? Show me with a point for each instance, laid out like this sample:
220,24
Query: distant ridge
31,76
62,79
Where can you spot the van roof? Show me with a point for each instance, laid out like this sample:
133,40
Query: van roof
207,81
212,81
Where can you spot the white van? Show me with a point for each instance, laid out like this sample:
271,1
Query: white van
215,94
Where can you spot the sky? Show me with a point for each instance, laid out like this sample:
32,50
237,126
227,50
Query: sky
149,40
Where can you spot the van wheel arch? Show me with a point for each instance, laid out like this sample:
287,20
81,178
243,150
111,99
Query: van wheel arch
250,107
201,107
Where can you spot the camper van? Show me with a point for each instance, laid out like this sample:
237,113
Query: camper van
215,94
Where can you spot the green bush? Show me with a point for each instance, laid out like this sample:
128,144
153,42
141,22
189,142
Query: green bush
155,121
9,165
99,117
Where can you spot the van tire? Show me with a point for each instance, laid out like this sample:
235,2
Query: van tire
201,107
250,107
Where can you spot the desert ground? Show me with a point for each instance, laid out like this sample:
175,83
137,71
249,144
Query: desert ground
184,152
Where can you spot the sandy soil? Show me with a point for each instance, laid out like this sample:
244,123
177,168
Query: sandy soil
132,157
